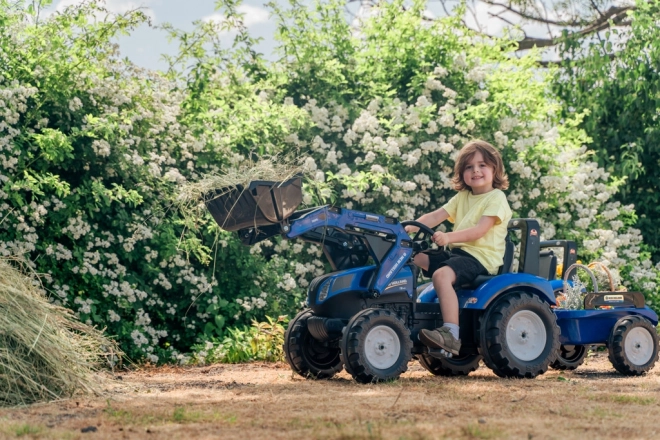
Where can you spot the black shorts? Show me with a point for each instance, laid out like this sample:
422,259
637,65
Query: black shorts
464,265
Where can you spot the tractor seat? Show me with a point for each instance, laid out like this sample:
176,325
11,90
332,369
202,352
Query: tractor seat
509,249
548,265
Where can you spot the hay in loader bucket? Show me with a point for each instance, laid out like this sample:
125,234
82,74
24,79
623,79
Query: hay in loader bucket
45,352
258,193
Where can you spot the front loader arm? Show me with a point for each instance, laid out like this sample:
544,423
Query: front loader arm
385,239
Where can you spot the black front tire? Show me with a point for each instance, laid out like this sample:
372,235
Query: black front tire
461,365
633,346
376,346
570,357
519,336
307,356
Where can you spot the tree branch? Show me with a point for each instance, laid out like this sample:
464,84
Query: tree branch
498,16
617,16
546,63
522,14
595,6
613,11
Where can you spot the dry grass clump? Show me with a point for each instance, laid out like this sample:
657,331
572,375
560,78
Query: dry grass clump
209,187
45,353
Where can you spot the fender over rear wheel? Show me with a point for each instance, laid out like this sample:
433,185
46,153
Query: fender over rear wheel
376,346
519,336
307,356
633,346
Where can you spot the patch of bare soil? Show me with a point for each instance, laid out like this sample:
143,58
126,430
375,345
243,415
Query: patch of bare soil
267,401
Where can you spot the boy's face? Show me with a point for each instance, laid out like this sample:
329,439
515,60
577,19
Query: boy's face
478,175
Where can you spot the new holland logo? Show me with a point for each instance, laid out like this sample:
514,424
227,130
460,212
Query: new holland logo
397,283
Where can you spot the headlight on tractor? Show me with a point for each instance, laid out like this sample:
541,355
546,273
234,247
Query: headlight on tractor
323,293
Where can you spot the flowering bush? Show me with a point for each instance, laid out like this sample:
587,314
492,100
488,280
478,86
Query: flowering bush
93,149
615,76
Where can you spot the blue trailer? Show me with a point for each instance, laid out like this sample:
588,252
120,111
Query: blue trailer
365,315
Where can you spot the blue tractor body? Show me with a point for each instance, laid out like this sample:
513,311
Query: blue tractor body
481,297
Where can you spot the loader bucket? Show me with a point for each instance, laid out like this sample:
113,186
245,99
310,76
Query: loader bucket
261,203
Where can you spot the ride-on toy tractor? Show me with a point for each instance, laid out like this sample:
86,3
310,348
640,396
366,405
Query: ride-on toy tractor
365,315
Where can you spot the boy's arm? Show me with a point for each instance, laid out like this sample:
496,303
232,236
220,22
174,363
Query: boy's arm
432,219
469,234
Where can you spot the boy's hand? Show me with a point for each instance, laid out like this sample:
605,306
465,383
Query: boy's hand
441,238
410,229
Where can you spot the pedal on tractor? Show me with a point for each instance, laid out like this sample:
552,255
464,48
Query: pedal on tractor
365,315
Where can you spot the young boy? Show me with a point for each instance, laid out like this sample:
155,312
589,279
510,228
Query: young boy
480,213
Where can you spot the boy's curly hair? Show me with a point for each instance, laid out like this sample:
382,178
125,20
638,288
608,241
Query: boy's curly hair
491,156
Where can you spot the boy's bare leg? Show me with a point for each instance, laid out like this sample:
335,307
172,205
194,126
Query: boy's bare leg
443,281
447,336
422,260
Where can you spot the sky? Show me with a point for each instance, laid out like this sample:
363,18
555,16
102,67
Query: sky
146,45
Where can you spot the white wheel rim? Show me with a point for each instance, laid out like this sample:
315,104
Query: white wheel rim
525,335
382,347
638,346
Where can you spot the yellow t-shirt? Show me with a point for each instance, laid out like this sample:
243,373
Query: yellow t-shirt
466,209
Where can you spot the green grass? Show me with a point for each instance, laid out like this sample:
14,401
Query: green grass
22,430
604,413
180,414
120,415
183,415
624,398
473,430
413,436
27,429
36,431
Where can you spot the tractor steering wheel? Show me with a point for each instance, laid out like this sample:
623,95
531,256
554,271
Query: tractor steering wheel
422,240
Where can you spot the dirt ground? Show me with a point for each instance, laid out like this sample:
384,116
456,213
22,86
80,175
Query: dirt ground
267,401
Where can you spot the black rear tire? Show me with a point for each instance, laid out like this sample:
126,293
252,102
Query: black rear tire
570,357
307,356
519,336
633,346
376,346
461,365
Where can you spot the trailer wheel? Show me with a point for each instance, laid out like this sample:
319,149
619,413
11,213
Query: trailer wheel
570,357
308,357
633,346
461,365
376,346
520,336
